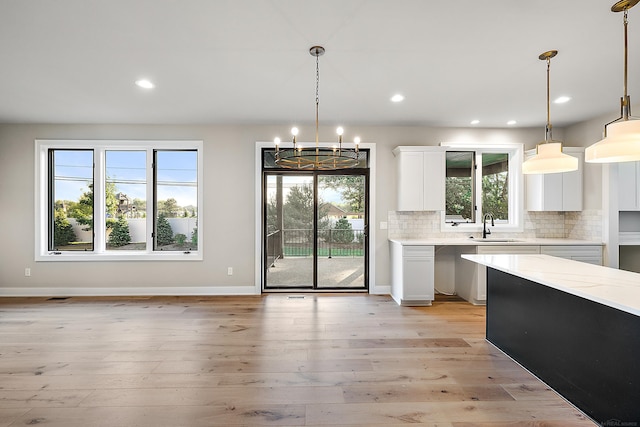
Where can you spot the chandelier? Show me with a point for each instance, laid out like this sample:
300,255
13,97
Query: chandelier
621,142
319,158
549,157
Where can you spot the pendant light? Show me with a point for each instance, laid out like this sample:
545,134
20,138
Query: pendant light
621,141
549,157
318,158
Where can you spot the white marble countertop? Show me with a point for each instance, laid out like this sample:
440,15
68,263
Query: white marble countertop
497,241
609,286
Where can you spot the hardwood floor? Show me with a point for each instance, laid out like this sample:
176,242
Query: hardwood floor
340,360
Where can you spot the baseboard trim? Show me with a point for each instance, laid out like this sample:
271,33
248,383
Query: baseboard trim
133,291
381,290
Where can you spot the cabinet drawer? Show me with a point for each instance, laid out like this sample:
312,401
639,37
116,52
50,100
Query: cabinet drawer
572,252
417,251
509,249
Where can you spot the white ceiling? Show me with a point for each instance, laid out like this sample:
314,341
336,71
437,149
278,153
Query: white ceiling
247,61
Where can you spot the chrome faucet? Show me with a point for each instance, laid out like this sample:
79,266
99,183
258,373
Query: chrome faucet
484,224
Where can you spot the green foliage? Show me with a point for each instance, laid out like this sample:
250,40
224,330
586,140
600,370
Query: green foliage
342,232
63,232
495,195
180,239
298,211
351,188
119,233
169,208
82,211
458,196
164,232
194,236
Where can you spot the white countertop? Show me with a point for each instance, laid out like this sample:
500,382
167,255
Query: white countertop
457,241
609,286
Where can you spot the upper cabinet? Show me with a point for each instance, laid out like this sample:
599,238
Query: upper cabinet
556,191
420,178
629,186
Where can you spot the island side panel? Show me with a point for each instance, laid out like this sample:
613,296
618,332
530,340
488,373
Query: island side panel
586,351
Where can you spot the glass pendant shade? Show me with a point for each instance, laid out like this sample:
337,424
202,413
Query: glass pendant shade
550,159
622,144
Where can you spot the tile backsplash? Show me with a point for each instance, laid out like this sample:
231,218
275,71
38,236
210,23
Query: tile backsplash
584,225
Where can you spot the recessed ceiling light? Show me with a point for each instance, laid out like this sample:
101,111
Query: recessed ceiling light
511,122
475,122
144,83
562,99
397,98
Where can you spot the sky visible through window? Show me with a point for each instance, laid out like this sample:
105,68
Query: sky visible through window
177,174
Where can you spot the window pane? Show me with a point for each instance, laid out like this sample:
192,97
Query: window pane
459,186
126,200
495,185
71,200
176,209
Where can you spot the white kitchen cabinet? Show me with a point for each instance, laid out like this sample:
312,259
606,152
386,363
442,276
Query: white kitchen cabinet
586,253
556,191
420,178
412,274
629,186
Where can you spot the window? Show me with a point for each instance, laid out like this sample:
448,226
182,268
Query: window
118,200
483,180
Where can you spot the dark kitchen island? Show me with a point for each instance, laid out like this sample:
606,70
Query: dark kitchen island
576,326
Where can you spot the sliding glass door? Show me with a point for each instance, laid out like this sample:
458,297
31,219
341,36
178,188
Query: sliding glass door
315,230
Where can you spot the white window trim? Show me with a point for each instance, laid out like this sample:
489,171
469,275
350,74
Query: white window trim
516,187
99,147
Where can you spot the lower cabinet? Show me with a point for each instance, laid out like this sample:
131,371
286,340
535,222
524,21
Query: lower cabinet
590,254
412,274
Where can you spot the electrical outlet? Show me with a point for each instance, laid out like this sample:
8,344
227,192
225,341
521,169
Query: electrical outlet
229,271
27,272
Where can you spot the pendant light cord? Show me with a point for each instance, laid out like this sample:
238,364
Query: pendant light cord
317,97
626,102
547,130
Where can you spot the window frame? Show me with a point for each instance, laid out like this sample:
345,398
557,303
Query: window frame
516,187
99,147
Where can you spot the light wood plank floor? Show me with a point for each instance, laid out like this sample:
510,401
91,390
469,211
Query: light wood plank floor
340,360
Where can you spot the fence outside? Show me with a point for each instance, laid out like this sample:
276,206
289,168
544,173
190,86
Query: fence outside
138,228
331,242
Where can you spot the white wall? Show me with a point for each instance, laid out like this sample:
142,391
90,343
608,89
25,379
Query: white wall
229,199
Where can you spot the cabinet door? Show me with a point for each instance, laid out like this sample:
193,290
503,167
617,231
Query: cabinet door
418,279
628,186
572,187
434,181
555,191
410,181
